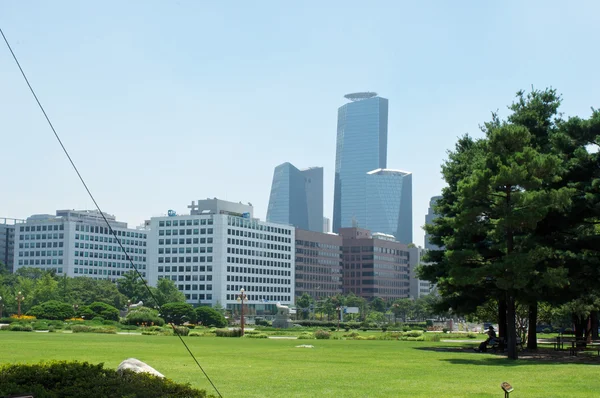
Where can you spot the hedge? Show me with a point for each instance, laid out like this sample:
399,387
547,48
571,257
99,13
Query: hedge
82,379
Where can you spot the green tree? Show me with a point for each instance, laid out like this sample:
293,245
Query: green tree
104,310
178,313
134,288
208,316
46,289
52,310
167,292
377,304
402,307
304,303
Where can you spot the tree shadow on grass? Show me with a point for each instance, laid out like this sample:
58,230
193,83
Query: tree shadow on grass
541,356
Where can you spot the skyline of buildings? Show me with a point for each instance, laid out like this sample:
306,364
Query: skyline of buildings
297,197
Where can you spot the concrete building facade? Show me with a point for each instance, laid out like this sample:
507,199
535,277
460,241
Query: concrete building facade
418,287
7,241
374,265
220,248
79,243
318,264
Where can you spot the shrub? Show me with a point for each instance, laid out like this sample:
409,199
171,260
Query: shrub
18,327
322,335
76,379
228,333
416,338
414,333
51,329
128,327
434,336
384,329
98,319
471,335
182,330
547,330
52,309
178,313
306,336
257,321
40,325
445,330
104,310
143,315
208,316
195,334
4,327
81,329
333,329
257,336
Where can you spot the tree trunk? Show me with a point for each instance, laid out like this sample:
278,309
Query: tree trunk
579,324
588,329
532,333
594,320
511,328
502,318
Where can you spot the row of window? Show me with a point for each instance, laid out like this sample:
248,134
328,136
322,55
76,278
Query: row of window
318,261
95,271
184,241
255,225
253,243
258,271
263,298
34,228
105,231
258,253
96,238
259,289
108,256
317,253
42,261
181,250
257,279
175,223
109,264
189,231
256,235
38,245
42,236
42,253
188,259
251,261
188,268
307,243
92,246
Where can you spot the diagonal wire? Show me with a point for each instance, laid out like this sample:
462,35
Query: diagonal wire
102,213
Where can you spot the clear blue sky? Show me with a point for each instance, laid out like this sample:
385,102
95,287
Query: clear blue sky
164,102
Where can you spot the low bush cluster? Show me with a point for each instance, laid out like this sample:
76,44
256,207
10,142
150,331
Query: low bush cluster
228,333
75,379
19,327
328,324
182,330
92,329
256,335
306,336
322,335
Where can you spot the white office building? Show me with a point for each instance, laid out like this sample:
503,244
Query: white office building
220,248
418,287
79,243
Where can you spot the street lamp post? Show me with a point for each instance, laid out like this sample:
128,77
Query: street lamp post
19,299
241,297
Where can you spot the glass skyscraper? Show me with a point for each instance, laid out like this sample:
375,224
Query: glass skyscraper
361,147
297,197
431,215
389,203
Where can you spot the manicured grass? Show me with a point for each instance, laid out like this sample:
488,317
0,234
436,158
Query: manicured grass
333,368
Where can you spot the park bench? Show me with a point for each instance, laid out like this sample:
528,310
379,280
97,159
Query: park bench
580,345
500,345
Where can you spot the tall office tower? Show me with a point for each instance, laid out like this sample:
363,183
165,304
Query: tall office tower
418,287
7,241
361,147
297,197
431,215
79,243
326,225
389,203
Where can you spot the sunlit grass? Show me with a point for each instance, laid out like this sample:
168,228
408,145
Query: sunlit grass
333,368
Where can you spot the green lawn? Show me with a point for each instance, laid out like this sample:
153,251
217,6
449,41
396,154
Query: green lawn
333,368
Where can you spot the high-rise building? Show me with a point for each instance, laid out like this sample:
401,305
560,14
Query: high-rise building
374,265
7,241
218,249
431,215
297,197
79,243
389,203
318,264
326,225
360,148
418,287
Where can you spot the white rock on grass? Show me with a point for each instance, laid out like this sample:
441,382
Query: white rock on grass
305,346
138,367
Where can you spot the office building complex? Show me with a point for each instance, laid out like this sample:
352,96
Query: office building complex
374,265
297,197
7,241
79,243
220,248
318,264
418,287
361,147
389,203
429,220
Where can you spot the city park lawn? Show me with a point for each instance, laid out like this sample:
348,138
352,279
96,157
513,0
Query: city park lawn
244,367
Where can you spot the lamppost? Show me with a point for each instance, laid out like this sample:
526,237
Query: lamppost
75,308
128,305
240,298
19,299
